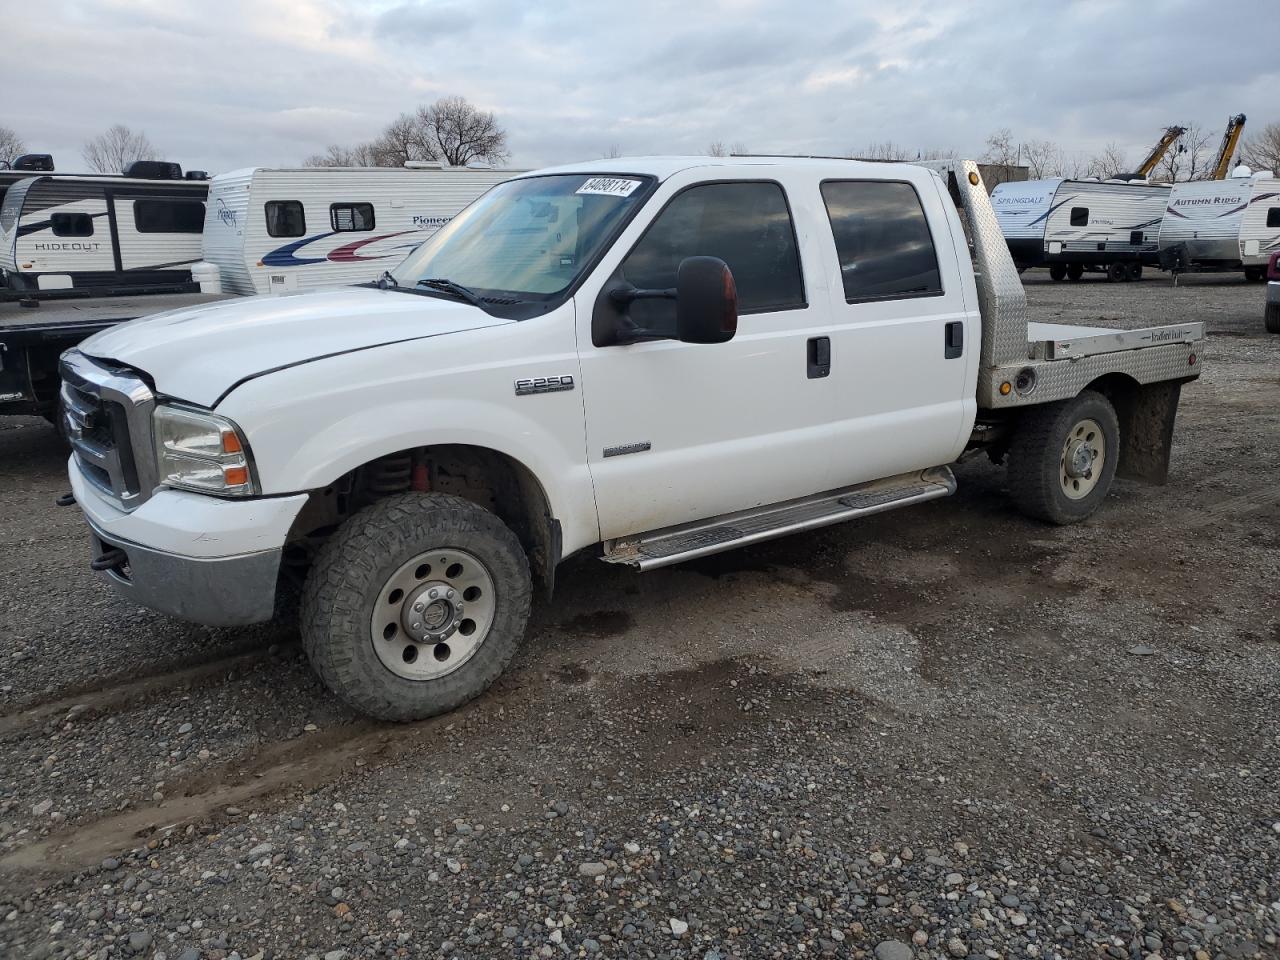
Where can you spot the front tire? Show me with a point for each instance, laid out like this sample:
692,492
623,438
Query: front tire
1063,458
1133,271
1117,272
415,605
1058,271
1075,271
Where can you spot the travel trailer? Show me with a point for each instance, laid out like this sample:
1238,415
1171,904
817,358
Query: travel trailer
1230,224
66,235
1071,226
271,230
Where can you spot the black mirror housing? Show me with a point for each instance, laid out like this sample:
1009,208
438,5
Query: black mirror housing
706,301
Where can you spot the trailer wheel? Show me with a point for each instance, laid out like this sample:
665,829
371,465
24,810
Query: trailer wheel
1117,272
1075,271
415,605
1058,271
1063,458
1273,318
1255,274
1133,271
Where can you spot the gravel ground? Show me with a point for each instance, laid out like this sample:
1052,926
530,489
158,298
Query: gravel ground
942,732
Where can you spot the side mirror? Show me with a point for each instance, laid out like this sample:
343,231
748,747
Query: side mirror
706,301
706,307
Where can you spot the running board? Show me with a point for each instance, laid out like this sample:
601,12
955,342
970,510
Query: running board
676,544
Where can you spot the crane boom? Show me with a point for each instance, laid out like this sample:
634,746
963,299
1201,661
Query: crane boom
1230,140
1170,137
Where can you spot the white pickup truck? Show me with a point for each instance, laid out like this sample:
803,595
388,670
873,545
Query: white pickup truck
653,359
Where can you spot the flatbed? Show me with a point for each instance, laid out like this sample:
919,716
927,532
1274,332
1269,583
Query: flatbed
32,339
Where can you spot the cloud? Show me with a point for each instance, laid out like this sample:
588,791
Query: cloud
423,23
271,81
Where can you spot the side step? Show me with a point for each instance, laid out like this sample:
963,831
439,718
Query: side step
675,544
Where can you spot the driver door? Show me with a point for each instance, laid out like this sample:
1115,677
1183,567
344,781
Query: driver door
679,432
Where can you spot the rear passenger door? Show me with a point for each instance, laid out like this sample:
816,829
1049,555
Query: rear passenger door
903,338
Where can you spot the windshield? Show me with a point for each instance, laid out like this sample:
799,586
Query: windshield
527,240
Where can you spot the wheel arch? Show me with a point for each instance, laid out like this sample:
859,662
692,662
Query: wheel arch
490,478
1146,414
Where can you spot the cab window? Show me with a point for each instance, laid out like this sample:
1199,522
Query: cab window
882,239
746,224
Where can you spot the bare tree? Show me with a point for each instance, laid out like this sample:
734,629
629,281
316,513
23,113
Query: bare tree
1002,149
112,151
11,145
1188,159
716,148
454,131
1043,159
450,131
1110,163
886,151
739,149
1262,151
336,155
613,153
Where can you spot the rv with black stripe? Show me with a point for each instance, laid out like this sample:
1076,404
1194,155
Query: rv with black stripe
99,235
1071,226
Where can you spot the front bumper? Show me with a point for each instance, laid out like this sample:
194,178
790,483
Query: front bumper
219,591
1273,293
210,560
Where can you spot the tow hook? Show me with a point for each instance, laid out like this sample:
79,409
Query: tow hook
66,500
109,560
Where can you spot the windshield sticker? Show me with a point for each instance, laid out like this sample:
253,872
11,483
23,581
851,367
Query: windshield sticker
609,186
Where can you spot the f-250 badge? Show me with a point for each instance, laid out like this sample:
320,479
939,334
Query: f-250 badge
530,385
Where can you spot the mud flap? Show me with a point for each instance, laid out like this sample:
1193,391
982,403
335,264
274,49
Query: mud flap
1146,431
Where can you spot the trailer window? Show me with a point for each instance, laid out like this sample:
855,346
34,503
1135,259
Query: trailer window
1079,216
285,218
168,216
72,224
747,225
882,239
1273,217
350,217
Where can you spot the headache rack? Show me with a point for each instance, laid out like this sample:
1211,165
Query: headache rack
1025,363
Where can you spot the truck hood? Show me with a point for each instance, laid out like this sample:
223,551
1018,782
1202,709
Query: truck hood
199,353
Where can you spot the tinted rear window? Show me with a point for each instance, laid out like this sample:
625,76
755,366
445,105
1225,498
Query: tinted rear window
882,238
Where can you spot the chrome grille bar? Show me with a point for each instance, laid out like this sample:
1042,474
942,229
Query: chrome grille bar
107,415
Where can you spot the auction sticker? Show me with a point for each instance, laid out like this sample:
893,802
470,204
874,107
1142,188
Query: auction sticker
609,186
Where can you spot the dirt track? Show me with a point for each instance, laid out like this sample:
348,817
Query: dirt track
947,721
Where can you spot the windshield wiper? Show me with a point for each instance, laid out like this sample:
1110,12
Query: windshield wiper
457,289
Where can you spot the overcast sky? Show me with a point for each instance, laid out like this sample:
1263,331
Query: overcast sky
221,84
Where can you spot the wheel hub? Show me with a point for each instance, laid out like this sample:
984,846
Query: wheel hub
1079,458
432,612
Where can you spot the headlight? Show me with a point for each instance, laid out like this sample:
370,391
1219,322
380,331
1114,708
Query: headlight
201,451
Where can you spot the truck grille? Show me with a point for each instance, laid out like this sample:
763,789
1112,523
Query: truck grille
106,412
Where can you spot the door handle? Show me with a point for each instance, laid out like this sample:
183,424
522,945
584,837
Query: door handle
819,350
954,340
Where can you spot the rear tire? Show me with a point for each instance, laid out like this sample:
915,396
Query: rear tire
1075,271
1273,318
1133,271
415,605
1058,271
1117,272
1255,274
1063,458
